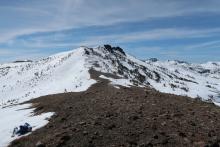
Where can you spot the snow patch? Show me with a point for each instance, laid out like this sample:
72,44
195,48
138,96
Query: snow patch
116,82
14,116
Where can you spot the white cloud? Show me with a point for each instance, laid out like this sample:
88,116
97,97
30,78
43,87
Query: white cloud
169,33
34,16
55,40
208,44
156,34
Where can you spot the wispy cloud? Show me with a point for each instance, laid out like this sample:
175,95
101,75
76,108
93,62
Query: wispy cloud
35,16
170,33
209,44
63,39
156,34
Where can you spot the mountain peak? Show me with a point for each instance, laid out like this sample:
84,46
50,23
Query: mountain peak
106,49
114,49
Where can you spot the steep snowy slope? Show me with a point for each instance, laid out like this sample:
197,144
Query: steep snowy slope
176,77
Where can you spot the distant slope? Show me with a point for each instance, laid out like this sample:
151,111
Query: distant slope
176,77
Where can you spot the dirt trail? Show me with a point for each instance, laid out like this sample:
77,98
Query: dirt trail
126,117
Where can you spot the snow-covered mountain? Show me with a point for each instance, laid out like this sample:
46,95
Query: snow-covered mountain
176,77
68,71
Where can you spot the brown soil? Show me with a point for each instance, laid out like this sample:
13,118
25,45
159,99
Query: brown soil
107,116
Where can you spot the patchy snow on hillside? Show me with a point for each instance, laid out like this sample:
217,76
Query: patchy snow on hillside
117,82
22,81
13,116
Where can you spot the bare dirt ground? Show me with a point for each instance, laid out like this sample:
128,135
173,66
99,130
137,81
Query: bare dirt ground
104,116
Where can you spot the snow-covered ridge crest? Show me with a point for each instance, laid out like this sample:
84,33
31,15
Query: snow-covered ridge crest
63,72
68,72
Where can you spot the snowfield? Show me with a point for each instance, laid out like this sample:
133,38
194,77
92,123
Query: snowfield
18,115
19,82
69,72
60,73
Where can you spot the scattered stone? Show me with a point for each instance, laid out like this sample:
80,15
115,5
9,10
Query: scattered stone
181,134
149,145
85,133
63,119
65,138
134,117
163,123
162,133
132,143
91,145
199,144
82,123
96,133
165,141
214,145
40,144
111,126
156,137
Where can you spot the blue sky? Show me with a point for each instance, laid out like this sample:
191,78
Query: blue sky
166,29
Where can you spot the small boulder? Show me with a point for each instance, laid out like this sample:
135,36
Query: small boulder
40,144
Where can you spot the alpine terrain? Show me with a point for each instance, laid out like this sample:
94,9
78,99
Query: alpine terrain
105,97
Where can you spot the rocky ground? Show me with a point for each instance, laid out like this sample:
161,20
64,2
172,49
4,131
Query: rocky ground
125,117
